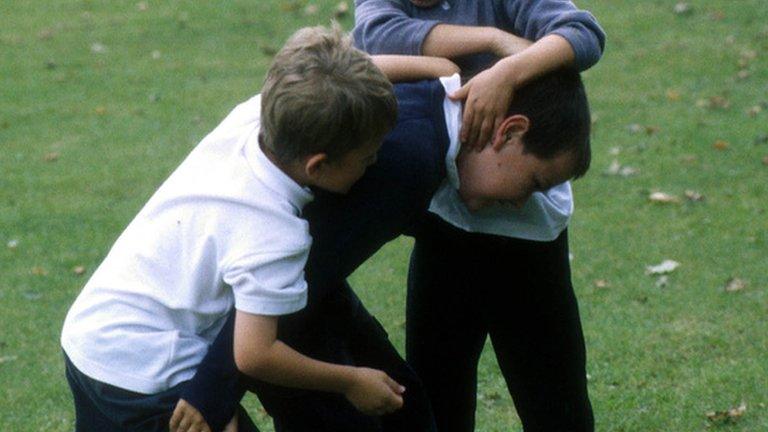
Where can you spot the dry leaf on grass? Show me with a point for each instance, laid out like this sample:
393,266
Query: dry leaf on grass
602,283
765,160
6,359
754,111
683,8
665,267
616,169
98,48
692,195
673,95
663,198
743,74
51,157
342,9
735,284
721,145
730,415
78,270
39,271
714,102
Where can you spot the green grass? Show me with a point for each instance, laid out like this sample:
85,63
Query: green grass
86,137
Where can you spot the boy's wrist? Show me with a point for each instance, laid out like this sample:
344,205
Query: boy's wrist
348,377
512,71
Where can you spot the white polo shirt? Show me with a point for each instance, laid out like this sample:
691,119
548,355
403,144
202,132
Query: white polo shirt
543,217
223,230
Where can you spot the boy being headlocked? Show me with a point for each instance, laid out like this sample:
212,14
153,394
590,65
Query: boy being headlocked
542,141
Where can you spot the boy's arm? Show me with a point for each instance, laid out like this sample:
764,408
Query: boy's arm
385,27
564,35
259,354
398,68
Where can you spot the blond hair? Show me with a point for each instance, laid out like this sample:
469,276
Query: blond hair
322,95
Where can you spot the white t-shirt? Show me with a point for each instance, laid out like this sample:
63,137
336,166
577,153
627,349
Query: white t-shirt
543,217
222,231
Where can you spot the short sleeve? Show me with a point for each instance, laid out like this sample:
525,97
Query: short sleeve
269,283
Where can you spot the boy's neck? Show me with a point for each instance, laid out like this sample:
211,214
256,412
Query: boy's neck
293,170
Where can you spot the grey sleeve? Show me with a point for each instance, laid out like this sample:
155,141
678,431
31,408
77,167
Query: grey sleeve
534,19
384,27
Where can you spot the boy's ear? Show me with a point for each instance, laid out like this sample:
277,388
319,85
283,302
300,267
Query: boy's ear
314,164
512,127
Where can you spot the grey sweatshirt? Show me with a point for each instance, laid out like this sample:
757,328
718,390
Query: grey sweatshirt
399,27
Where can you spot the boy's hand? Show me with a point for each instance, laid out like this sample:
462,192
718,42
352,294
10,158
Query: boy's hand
186,418
232,425
374,393
486,101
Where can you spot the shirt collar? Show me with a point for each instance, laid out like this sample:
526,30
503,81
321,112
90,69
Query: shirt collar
272,176
452,111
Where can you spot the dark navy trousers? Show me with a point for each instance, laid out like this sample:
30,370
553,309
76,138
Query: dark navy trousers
335,326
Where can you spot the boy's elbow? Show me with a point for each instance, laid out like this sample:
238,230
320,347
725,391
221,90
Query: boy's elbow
251,363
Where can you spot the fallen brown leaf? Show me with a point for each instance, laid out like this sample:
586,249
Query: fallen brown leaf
51,157
78,270
665,267
342,9
142,6
765,160
683,8
45,34
602,283
98,48
663,198
735,284
616,169
754,111
721,145
717,15
729,415
39,271
673,95
714,102
692,195
100,110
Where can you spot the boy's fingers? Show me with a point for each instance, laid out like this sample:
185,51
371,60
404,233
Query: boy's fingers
466,124
396,404
460,94
485,133
175,419
394,385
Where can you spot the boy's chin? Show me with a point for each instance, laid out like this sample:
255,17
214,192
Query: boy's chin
471,202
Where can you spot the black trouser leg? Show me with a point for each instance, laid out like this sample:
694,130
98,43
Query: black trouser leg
541,351
442,345
463,286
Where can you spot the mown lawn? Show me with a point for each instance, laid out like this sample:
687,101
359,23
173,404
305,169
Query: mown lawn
100,100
